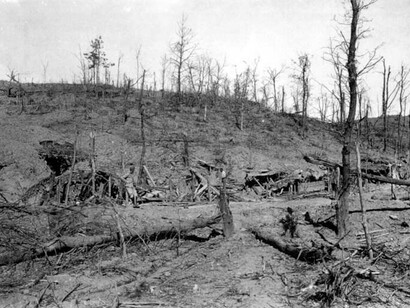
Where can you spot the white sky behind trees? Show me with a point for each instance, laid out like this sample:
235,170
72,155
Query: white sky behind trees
34,32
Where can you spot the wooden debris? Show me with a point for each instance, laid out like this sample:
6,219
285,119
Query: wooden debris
384,209
149,176
371,232
168,228
362,205
267,183
310,255
365,175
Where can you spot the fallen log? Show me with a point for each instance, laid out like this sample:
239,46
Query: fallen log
321,162
166,229
309,255
323,223
386,209
383,179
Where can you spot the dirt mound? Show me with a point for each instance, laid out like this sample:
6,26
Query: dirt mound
20,164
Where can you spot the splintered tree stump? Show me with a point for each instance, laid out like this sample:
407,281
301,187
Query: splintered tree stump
227,219
310,255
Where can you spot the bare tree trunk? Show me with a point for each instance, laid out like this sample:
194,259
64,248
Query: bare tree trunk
144,146
241,120
368,131
121,235
385,97
72,169
304,64
359,125
275,96
227,219
399,137
185,155
408,141
402,102
118,70
283,99
342,100
92,162
362,205
342,208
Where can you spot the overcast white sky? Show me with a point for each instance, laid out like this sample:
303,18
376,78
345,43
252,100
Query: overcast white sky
33,32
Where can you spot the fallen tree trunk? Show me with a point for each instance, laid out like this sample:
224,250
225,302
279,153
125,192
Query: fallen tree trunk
385,209
168,228
310,255
323,223
321,162
383,179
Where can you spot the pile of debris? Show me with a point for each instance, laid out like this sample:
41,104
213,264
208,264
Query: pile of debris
198,184
266,183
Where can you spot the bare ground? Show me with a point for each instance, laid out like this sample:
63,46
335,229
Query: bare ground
217,272
204,269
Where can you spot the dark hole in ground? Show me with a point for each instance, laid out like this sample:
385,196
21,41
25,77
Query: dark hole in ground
58,156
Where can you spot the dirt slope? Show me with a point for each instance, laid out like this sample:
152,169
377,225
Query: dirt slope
205,270
268,142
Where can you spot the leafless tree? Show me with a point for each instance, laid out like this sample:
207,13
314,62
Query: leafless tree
265,94
323,104
19,93
138,59
349,46
273,76
164,67
283,99
295,96
45,67
241,91
336,55
226,86
209,74
302,78
85,73
118,69
141,109
254,80
363,109
403,87
217,77
181,52
198,69
387,100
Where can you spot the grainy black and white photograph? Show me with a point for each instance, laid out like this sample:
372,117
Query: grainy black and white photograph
204,153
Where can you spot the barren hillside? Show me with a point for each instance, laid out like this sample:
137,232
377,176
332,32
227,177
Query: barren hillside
88,248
